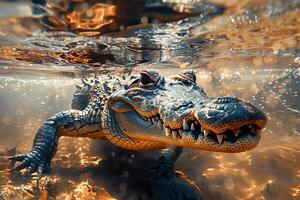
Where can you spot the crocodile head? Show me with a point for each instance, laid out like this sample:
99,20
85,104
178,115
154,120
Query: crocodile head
177,111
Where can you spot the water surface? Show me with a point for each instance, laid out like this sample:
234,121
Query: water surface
248,49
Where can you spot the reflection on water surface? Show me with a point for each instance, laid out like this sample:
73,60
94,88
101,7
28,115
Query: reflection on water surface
248,49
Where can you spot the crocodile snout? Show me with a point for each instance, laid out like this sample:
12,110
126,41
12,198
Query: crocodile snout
220,117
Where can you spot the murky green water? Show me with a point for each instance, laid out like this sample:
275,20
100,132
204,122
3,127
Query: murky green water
249,49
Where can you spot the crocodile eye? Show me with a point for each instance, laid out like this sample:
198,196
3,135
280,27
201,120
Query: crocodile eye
146,80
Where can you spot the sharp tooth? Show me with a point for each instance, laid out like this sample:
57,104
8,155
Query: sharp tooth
149,120
156,118
205,133
220,138
185,125
193,127
180,132
174,133
153,120
202,129
159,123
168,131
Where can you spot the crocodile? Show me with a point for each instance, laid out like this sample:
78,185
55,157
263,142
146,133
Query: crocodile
148,112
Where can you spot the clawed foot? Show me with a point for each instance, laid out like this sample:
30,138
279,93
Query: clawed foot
164,168
32,162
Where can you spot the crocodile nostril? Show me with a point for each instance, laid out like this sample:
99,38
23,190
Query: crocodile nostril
227,100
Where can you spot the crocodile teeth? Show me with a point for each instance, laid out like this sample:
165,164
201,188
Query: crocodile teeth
180,132
153,120
205,133
159,123
174,134
193,127
185,125
168,131
220,138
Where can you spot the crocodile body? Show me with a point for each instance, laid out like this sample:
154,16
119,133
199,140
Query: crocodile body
148,112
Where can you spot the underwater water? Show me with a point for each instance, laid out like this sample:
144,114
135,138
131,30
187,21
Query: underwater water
249,49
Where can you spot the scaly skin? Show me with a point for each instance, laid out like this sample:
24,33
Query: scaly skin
146,113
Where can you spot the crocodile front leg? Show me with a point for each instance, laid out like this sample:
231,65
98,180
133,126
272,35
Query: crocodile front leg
74,123
165,163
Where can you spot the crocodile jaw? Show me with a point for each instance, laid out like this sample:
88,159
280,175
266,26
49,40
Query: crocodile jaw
152,129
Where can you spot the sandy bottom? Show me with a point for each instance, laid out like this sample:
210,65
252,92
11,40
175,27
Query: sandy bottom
84,169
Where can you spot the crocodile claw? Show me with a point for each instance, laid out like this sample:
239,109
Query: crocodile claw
32,162
18,158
